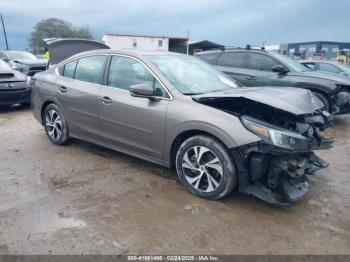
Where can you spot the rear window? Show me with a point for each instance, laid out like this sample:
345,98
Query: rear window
232,59
90,69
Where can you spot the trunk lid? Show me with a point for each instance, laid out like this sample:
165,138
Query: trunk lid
60,48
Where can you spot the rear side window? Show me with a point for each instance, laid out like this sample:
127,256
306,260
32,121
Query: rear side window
260,62
90,68
329,68
69,68
233,59
210,58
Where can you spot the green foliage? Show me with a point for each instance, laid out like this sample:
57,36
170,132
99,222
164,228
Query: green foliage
55,28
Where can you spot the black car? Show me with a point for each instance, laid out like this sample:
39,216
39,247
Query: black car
252,67
14,86
24,62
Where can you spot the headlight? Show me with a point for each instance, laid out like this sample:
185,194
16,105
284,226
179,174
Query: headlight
14,66
29,82
276,136
18,66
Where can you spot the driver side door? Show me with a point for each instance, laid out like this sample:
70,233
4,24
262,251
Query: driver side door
259,69
131,124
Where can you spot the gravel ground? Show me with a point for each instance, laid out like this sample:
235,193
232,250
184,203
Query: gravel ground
82,198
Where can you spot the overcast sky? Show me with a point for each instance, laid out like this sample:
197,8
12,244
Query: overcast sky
230,22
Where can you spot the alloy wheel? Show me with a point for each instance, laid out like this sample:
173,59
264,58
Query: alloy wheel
53,124
202,168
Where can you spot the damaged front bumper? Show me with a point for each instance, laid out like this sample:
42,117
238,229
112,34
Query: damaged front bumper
273,175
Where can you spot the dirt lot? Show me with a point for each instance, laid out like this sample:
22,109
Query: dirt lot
82,198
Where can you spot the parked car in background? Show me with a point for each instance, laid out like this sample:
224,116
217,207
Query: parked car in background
178,111
253,67
24,62
14,86
327,66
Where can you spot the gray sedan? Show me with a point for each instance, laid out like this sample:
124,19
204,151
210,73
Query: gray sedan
328,67
178,111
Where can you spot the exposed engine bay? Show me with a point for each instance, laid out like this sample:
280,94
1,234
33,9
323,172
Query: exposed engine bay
275,169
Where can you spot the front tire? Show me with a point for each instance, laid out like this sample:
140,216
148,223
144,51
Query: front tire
205,167
55,125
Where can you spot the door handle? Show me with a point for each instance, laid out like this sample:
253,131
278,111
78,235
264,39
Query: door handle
251,77
106,100
62,89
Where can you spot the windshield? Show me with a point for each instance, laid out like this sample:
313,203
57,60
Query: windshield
20,55
296,66
4,66
190,75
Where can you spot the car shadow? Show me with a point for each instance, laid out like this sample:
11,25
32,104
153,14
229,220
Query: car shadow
233,200
14,108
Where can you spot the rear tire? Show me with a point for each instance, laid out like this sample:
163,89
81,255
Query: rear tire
324,100
55,125
205,167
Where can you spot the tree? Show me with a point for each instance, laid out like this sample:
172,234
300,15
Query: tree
55,28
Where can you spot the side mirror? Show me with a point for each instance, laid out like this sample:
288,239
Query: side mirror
141,90
279,69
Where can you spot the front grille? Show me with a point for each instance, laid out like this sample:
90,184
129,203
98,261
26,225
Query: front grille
37,68
6,75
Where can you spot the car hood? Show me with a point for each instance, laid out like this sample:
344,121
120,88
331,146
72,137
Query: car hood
339,79
60,48
296,101
31,61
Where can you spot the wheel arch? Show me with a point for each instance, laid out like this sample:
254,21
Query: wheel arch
42,109
180,138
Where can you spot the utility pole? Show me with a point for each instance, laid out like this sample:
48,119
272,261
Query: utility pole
3,27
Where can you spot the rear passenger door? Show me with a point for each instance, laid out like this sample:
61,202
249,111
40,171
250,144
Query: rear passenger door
259,71
233,64
77,92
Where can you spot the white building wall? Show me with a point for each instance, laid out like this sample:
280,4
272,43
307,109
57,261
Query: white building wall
143,43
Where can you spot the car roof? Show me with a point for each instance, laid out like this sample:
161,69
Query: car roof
233,49
123,52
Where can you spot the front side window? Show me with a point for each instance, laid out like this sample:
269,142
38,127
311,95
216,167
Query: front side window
125,72
233,59
90,68
291,63
329,68
260,62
